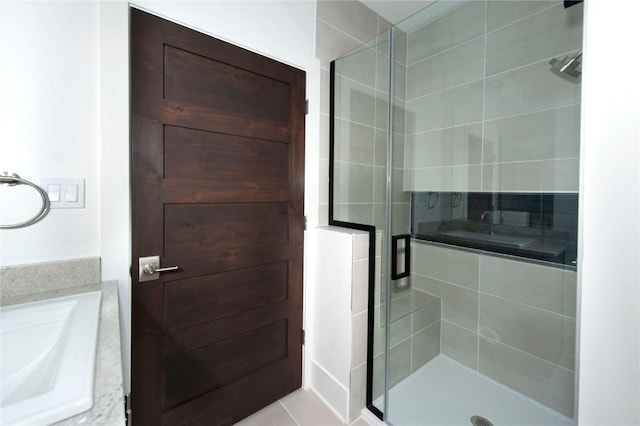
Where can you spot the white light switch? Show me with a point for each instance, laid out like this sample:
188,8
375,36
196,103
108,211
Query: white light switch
71,193
64,193
53,189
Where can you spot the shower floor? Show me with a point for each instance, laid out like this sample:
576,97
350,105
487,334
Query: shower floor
445,392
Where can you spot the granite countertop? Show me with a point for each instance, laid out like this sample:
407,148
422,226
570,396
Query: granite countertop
108,394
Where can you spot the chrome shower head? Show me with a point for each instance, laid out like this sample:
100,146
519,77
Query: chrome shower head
568,66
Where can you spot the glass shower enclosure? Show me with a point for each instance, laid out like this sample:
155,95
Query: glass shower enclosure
455,140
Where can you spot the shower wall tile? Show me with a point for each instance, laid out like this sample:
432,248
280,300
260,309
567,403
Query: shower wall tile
459,305
351,17
448,108
359,339
532,176
545,287
359,66
353,142
539,37
545,382
400,330
544,334
380,147
354,101
460,344
500,13
458,26
400,46
353,183
449,147
445,264
399,81
358,213
448,178
401,220
331,44
454,67
381,119
399,362
358,394
540,135
426,316
425,346
398,194
398,143
528,89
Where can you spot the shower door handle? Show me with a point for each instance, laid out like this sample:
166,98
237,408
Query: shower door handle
395,275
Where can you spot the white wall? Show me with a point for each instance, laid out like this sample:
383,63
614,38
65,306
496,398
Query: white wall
49,123
609,258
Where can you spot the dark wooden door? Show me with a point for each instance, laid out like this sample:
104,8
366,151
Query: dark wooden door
217,152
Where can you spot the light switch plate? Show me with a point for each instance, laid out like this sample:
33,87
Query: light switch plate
70,192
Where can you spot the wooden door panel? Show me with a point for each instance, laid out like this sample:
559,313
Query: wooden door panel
191,153
195,300
224,405
194,79
227,260
213,366
217,189
194,337
218,120
198,228
208,191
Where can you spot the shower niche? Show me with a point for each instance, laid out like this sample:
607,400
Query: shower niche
455,144
540,227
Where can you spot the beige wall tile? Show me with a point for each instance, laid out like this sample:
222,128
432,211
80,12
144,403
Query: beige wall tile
445,264
545,287
354,101
454,67
460,344
560,175
359,339
351,17
353,142
359,66
528,89
454,28
400,362
540,135
332,44
358,390
541,333
353,183
448,108
447,178
540,36
449,147
459,305
500,13
425,346
547,383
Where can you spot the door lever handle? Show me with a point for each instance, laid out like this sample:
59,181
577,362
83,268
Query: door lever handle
149,268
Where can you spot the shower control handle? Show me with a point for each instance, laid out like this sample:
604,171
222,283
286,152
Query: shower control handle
149,268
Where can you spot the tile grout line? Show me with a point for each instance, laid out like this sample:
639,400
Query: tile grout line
524,18
289,412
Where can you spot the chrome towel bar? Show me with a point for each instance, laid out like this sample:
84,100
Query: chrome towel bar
12,180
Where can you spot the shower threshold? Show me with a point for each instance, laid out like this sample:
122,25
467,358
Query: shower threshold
445,392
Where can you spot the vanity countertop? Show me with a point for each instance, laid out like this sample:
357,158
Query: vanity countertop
108,394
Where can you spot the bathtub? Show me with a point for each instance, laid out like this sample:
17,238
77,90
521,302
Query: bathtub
47,362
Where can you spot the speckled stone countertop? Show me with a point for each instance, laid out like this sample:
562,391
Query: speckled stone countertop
108,394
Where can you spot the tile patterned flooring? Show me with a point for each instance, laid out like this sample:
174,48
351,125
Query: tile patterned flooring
300,408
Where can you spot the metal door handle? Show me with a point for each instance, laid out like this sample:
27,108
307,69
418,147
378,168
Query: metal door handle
149,268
